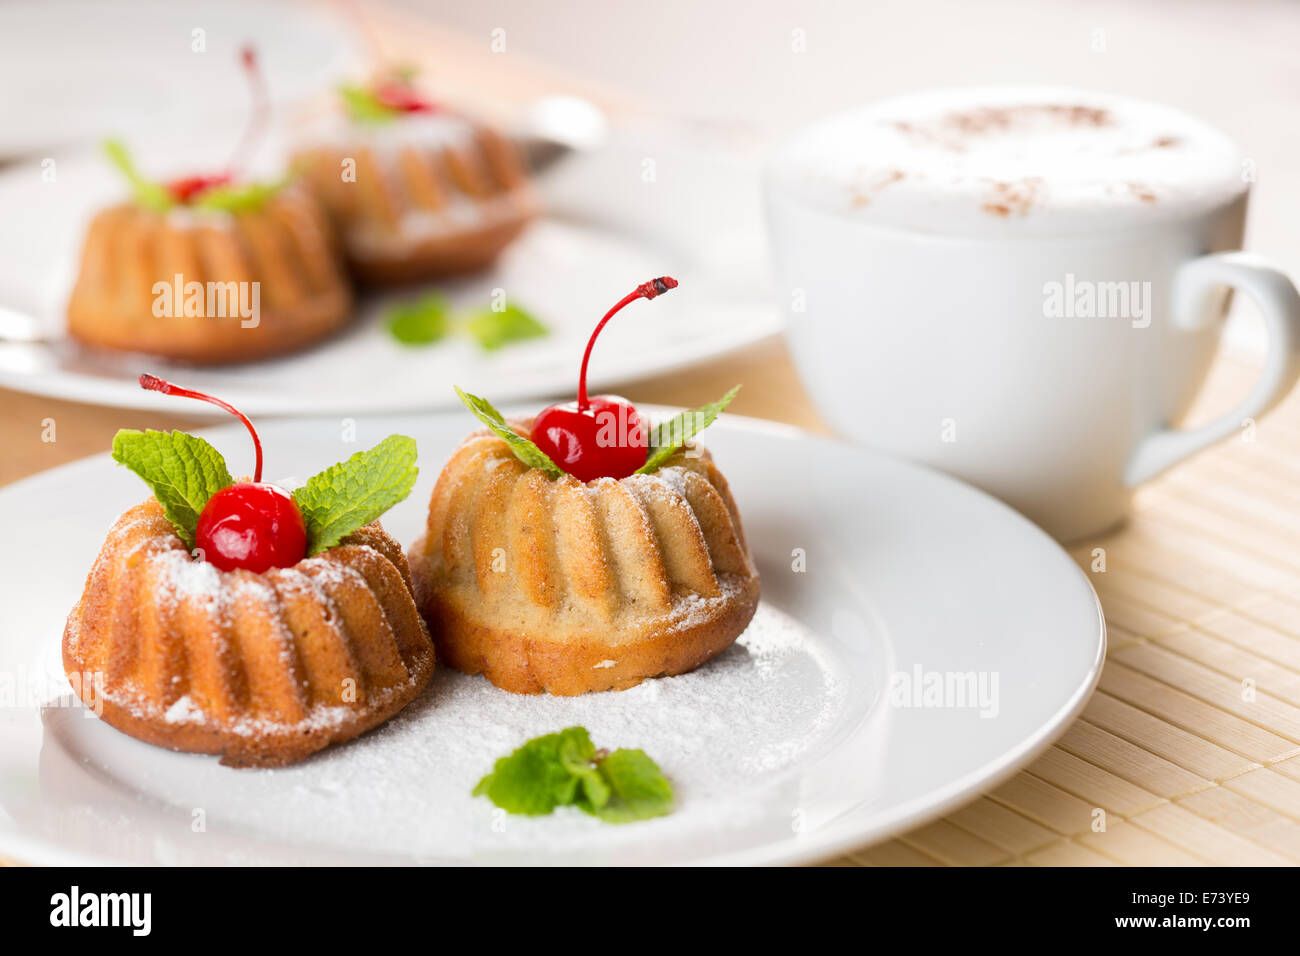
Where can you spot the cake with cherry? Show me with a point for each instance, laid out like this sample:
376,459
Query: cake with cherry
212,268
584,549
236,618
417,190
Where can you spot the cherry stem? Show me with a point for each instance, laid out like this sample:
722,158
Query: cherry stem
261,111
646,290
153,383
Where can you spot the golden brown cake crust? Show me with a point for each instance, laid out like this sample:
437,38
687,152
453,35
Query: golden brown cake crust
523,664
420,209
288,247
262,670
567,587
440,256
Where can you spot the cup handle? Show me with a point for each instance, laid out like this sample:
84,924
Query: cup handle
1279,304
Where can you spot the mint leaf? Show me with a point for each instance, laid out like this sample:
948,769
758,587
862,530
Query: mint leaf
362,105
146,193
638,790
492,329
565,769
536,778
667,437
524,449
421,322
355,492
183,472
577,755
246,197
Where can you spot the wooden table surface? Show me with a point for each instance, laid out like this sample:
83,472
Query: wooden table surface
1190,749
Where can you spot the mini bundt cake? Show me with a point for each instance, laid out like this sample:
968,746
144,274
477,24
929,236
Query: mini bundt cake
212,268
416,191
565,586
582,549
236,618
209,286
263,669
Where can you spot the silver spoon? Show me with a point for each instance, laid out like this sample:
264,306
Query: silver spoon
557,126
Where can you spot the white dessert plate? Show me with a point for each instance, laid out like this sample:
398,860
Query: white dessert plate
917,643
611,222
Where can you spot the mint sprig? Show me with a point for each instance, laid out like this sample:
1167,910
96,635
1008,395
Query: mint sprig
146,192
362,105
422,322
183,472
545,773
492,329
523,448
667,437
566,769
245,197
353,493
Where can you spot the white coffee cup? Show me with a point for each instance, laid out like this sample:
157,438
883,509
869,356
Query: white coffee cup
1022,286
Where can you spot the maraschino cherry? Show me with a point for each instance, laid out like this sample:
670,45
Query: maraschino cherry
604,436
252,525
401,96
187,188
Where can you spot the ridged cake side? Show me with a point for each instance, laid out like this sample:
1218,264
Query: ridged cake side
287,247
431,195
565,586
263,669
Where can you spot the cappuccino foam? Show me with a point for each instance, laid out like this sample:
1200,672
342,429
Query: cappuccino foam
1031,161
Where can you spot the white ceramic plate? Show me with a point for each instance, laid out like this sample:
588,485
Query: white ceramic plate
606,230
789,747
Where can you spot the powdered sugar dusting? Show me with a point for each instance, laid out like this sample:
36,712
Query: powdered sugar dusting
185,579
724,734
183,711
